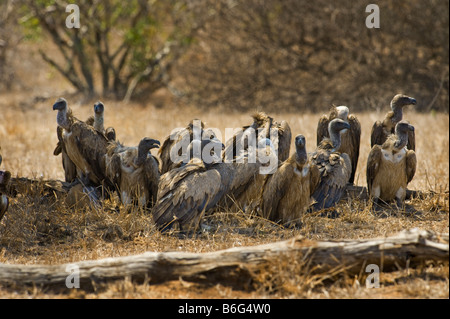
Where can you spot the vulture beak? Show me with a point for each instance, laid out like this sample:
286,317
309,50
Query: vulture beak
58,106
153,143
413,101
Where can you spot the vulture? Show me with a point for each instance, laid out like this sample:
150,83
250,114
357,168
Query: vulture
382,129
350,139
134,171
286,194
187,192
85,146
171,150
96,121
334,167
266,131
4,201
391,166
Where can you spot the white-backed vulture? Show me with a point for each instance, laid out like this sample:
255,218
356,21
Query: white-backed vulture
286,194
391,167
350,139
334,167
134,171
172,145
4,179
186,192
85,146
382,129
97,121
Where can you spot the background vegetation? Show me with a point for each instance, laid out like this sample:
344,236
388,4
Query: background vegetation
269,54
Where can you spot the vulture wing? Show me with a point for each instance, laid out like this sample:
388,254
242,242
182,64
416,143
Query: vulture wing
322,128
284,140
152,176
274,189
355,134
411,163
335,170
373,164
411,141
87,148
377,135
185,193
70,169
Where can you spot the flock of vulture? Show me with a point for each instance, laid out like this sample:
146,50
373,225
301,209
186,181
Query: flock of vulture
182,191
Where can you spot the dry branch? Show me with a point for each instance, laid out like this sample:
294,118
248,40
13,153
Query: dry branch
236,265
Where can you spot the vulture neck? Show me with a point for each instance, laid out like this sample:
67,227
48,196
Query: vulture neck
301,156
397,113
142,155
401,141
62,119
98,122
335,138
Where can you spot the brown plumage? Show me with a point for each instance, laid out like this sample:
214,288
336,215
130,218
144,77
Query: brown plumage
4,200
174,142
134,172
185,193
85,146
286,194
96,121
70,169
334,167
263,129
392,166
382,129
350,139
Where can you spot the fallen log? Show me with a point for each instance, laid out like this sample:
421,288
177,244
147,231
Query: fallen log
235,265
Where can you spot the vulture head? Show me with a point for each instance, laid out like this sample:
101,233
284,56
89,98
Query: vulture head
335,127
99,108
145,145
300,149
61,106
399,101
401,130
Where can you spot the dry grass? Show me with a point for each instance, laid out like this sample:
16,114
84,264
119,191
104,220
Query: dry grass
43,230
